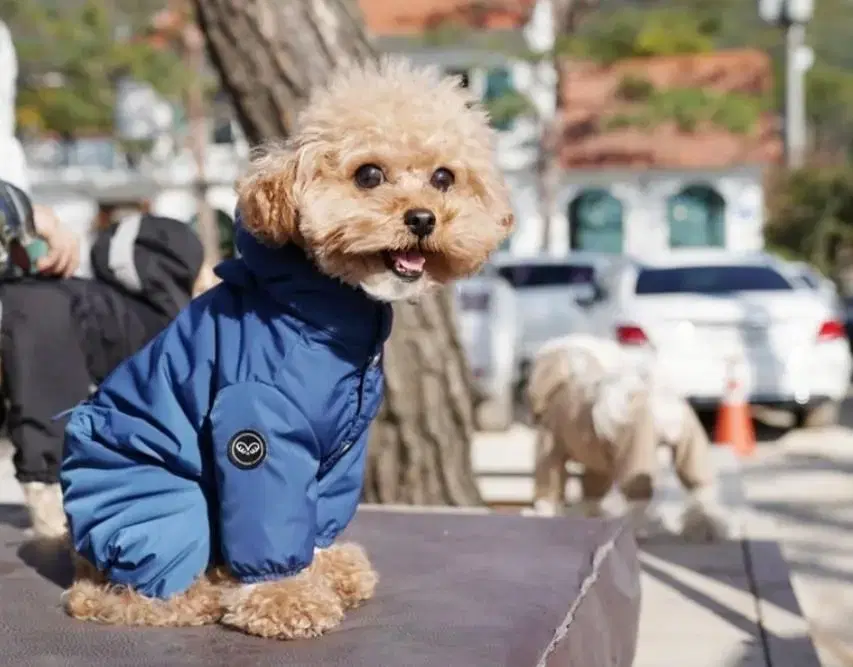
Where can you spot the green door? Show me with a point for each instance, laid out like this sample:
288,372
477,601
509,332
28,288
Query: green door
696,218
596,222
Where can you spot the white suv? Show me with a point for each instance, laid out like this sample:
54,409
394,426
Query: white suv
490,331
548,291
699,310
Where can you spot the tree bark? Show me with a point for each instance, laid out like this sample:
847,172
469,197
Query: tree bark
208,230
270,54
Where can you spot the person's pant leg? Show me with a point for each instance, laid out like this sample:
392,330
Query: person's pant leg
44,372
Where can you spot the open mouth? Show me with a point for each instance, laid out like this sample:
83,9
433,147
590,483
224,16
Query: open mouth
407,265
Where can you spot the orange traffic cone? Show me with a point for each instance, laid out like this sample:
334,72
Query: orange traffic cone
734,420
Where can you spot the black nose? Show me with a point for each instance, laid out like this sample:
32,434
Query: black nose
420,221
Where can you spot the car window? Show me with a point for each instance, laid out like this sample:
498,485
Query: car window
715,279
809,279
541,275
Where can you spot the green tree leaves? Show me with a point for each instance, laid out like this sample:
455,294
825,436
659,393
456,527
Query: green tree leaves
690,109
72,53
634,32
811,214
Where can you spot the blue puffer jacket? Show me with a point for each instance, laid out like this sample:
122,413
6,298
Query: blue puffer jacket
237,436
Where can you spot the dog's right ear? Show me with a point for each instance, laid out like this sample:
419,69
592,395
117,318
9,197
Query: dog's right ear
267,198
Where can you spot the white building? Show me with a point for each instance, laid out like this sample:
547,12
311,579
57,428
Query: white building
619,191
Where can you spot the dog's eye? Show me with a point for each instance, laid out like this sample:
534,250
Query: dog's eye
442,179
369,176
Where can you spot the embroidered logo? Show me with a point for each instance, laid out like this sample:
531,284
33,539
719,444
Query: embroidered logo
247,450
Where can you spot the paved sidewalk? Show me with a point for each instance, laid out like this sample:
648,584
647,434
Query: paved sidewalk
723,605
801,489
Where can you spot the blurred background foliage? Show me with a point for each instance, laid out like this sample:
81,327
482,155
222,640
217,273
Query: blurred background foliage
72,52
810,210
71,55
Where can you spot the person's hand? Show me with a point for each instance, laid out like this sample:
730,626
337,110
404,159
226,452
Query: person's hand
205,280
63,256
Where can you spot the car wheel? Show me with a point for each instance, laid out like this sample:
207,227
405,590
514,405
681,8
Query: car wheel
825,414
495,414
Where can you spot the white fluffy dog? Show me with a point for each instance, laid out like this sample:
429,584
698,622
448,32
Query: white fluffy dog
595,404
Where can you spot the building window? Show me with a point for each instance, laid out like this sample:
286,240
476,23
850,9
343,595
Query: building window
223,131
596,222
463,75
499,86
697,218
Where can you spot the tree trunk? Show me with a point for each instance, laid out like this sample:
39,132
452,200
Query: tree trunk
420,444
270,54
193,44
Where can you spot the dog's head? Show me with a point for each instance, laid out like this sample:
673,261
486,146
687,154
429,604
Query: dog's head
389,182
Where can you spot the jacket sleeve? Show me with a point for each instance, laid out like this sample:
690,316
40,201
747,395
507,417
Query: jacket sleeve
266,457
151,531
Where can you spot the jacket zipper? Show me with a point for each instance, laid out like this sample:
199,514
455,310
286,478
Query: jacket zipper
349,443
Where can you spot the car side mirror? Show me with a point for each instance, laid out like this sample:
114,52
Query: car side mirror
590,296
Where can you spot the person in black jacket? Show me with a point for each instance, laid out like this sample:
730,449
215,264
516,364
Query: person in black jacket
62,335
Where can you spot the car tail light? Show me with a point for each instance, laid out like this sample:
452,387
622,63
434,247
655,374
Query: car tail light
629,334
831,330
477,301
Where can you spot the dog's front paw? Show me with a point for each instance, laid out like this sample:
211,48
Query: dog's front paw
297,607
544,507
347,571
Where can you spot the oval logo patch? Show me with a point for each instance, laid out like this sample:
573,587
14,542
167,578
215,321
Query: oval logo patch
247,450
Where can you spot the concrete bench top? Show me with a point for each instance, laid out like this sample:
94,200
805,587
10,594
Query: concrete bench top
458,589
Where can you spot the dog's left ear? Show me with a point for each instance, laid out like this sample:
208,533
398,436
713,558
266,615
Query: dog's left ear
267,198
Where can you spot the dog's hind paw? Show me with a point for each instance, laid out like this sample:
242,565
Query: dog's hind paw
703,523
297,607
347,571
647,521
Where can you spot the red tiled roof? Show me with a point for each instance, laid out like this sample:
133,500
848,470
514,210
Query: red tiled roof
401,17
404,17
589,95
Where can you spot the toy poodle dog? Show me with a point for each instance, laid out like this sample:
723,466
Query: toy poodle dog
596,406
208,478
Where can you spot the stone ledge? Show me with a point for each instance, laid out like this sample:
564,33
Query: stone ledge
458,589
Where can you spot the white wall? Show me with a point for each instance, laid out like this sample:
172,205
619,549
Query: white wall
644,196
180,203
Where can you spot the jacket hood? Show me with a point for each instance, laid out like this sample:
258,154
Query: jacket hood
295,283
153,257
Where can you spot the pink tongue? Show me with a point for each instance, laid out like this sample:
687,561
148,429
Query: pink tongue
409,260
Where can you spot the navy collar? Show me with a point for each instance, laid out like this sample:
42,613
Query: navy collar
332,309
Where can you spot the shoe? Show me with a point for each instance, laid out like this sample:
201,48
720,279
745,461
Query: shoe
47,516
